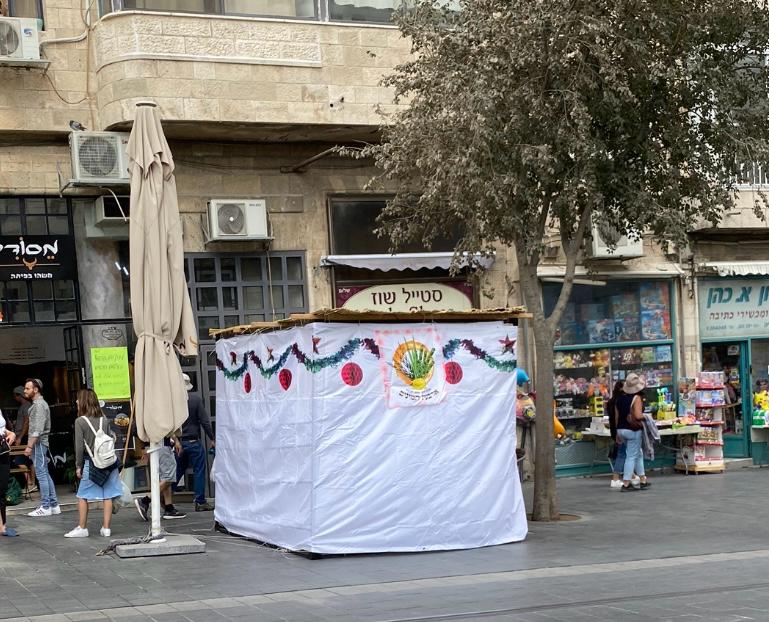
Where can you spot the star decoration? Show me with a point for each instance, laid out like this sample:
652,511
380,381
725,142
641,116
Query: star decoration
315,342
507,345
270,355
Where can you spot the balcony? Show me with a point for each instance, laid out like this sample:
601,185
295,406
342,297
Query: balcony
246,77
369,11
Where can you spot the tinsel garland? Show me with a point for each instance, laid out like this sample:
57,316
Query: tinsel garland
450,349
346,352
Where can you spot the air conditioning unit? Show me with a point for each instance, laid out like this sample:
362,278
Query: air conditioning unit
99,158
18,39
237,219
625,247
108,210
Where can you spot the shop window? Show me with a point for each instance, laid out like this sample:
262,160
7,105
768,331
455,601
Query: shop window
353,226
38,301
625,311
34,216
607,332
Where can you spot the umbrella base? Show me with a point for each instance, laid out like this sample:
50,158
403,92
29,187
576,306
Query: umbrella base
172,545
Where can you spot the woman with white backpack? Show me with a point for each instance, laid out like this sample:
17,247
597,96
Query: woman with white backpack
96,463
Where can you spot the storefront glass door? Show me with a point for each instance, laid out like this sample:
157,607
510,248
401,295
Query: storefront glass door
732,358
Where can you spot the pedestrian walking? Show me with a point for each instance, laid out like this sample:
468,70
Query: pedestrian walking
96,484
618,450
167,470
37,447
629,414
190,449
7,438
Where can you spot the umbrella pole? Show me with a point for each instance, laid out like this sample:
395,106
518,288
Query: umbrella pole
154,452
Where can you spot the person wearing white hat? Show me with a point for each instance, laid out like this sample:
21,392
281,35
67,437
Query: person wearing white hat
191,450
629,416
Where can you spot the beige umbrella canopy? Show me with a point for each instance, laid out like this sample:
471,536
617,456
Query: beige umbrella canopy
160,302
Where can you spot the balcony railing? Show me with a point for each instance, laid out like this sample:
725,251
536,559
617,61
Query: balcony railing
752,175
360,11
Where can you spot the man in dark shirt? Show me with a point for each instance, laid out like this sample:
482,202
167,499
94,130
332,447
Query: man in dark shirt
190,449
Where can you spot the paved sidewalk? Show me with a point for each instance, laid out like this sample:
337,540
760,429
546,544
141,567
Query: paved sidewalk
690,548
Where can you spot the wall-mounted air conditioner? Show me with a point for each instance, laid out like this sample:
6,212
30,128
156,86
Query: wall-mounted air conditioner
237,219
109,210
624,247
18,39
99,158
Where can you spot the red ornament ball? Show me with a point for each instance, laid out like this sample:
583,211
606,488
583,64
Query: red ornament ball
453,372
352,374
247,383
284,377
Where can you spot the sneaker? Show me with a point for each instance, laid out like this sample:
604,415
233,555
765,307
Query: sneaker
77,532
103,532
56,509
40,511
203,507
615,484
636,481
172,513
143,507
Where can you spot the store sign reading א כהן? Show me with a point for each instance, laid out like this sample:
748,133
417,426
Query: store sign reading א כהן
41,257
733,308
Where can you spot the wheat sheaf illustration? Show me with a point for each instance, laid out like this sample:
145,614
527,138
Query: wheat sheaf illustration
414,363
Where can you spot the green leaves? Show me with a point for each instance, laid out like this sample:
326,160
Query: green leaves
522,114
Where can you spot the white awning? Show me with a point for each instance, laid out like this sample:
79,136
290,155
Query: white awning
400,261
737,268
660,270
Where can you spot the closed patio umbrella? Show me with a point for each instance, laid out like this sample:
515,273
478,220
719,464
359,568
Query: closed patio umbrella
160,303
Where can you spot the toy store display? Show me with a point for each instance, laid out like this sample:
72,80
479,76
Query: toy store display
705,452
761,407
617,314
583,381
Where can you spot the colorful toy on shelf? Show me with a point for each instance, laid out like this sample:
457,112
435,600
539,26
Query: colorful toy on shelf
710,379
761,400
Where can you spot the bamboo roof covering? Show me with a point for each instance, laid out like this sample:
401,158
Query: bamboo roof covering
348,315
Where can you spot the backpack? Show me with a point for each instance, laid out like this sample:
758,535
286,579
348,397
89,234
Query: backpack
103,454
13,494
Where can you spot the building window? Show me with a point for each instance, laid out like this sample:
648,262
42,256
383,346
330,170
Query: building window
229,290
364,11
353,222
26,8
34,216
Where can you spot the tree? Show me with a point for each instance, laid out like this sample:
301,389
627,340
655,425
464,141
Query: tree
526,117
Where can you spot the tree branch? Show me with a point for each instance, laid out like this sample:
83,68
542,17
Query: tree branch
571,246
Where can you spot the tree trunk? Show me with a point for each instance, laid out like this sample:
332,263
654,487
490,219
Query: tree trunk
545,494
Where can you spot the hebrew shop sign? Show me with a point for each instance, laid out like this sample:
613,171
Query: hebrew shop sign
406,297
41,257
733,308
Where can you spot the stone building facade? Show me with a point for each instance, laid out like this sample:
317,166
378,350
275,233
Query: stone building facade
251,105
